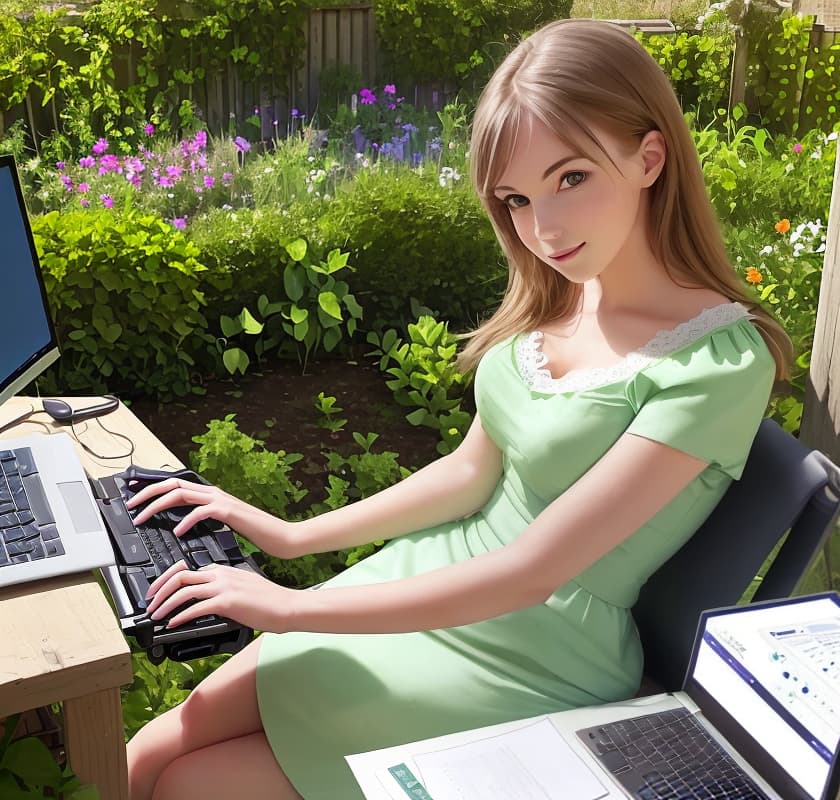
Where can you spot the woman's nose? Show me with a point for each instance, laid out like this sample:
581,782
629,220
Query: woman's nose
547,224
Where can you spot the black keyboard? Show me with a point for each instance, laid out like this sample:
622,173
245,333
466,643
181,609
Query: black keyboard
145,552
669,755
27,524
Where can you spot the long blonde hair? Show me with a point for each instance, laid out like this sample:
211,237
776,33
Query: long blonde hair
569,75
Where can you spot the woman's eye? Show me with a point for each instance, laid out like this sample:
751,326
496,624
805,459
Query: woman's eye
573,179
516,201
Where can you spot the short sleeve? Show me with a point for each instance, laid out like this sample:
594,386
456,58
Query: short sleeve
709,398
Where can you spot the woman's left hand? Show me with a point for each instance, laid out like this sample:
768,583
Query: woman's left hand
238,594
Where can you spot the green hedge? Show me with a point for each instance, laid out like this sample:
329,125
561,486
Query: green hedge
410,237
125,291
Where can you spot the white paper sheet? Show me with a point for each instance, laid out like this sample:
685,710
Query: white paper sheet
530,763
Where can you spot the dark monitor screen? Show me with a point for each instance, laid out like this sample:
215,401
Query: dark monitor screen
27,338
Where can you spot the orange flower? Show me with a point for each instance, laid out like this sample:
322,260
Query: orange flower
782,226
754,276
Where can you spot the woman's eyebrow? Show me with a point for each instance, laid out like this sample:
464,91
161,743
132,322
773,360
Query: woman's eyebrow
553,168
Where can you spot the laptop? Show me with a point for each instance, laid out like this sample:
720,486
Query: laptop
762,687
763,682
49,521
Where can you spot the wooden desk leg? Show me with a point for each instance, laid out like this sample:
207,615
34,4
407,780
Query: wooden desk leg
93,727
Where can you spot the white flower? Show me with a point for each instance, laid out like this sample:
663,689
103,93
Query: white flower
766,250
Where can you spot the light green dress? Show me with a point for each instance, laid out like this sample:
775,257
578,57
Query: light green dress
701,388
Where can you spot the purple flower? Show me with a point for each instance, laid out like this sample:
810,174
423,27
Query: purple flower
367,97
107,200
109,163
200,139
179,223
797,148
87,161
409,128
227,177
149,129
295,113
242,145
84,201
83,188
165,182
68,182
101,146
389,88
59,165
209,181
174,172
256,112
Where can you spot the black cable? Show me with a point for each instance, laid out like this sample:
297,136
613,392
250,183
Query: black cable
107,430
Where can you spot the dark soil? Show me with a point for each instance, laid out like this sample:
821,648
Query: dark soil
278,407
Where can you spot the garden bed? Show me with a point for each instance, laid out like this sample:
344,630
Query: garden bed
278,406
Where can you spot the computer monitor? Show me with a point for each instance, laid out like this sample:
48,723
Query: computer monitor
28,343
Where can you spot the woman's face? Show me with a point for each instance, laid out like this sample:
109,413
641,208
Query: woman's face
574,214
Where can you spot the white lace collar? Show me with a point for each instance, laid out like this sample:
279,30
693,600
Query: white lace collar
531,360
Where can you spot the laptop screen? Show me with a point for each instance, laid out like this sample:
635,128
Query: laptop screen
28,339
767,675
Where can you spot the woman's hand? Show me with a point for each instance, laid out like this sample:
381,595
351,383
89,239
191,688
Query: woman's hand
271,534
238,594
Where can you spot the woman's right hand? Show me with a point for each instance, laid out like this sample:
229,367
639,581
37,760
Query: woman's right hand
271,534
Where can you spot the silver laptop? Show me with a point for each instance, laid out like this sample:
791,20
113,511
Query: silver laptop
764,684
49,522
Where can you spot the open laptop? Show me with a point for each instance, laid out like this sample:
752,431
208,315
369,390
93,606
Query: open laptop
764,682
763,686
49,522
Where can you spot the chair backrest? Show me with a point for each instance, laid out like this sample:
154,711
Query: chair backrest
784,486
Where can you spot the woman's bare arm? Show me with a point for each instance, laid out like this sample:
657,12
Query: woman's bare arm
449,488
634,480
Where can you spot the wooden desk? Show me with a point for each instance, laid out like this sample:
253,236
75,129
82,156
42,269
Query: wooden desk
59,638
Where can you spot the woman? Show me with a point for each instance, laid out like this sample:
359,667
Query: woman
619,387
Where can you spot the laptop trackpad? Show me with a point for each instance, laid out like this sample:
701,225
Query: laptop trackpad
77,499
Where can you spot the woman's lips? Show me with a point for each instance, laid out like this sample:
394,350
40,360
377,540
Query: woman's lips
563,255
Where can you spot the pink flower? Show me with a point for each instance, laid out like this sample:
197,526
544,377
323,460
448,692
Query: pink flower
83,188
180,223
87,161
84,201
101,146
227,177
107,200
389,88
797,148
149,129
209,181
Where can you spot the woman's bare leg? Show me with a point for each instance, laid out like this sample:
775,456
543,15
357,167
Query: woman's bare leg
221,708
242,767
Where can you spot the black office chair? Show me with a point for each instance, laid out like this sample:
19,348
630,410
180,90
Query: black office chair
784,486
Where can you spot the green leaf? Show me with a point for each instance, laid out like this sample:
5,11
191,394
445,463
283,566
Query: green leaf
235,359
249,324
32,762
298,314
230,327
297,250
417,417
109,332
294,281
329,303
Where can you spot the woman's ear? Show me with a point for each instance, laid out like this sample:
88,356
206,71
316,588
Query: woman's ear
654,153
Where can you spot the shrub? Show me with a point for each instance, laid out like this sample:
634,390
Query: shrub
125,293
411,237
446,40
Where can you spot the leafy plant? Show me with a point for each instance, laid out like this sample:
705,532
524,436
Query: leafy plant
328,409
242,465
125,292
783,265
425,376
28,770
312,313
411,237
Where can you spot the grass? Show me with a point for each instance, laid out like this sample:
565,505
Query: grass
680,12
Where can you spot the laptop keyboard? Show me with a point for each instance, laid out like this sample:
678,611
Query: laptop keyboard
669,755
27,525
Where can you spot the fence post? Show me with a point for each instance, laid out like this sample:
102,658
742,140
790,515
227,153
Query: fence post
738,76
821,415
